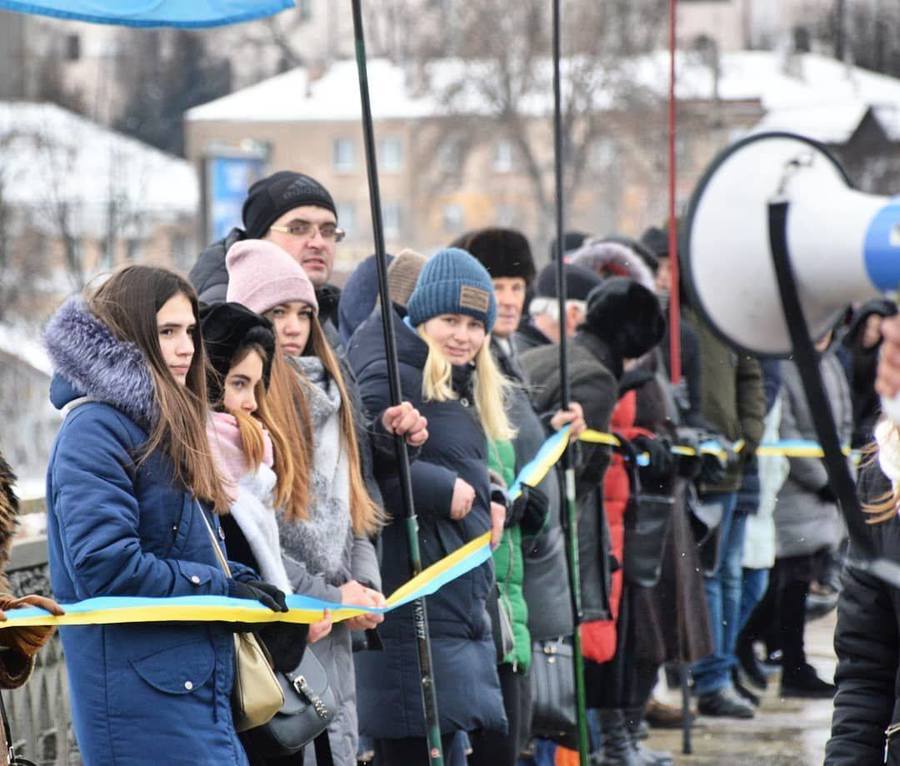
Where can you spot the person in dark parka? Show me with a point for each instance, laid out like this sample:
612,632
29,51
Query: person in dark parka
125,521
451,467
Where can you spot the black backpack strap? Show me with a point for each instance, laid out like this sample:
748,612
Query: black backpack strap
323,750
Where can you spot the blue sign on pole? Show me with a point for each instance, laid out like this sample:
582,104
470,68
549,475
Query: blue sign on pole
228,181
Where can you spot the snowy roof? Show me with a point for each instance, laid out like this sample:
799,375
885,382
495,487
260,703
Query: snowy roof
811,82
49,155
25,345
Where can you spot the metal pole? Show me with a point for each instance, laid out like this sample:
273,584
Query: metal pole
674,296
571,527
420,614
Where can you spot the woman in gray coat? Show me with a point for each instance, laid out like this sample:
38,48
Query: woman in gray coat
808,523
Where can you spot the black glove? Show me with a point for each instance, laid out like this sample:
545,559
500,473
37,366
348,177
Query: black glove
826,494
657,475
688,466
257,590
529,510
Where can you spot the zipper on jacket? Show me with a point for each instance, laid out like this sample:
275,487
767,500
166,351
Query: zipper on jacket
889,733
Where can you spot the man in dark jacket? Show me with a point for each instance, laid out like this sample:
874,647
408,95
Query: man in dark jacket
733,403
543,325
298,214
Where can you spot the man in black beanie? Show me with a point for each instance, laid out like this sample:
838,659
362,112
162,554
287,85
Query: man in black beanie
298,214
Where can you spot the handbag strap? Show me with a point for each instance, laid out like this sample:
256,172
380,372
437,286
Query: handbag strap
323,750
223,562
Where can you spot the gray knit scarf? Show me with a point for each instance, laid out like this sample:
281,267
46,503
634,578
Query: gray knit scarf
320,541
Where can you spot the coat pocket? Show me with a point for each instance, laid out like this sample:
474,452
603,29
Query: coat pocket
178,669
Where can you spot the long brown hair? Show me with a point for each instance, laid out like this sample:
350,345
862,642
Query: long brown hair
291,486
127,303
365,514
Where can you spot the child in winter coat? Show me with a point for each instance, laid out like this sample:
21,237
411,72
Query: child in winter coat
130,479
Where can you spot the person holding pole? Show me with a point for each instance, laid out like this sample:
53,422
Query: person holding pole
447,372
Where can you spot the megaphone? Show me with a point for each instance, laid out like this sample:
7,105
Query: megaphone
844,245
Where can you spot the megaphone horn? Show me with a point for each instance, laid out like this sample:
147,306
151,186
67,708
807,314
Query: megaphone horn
844,245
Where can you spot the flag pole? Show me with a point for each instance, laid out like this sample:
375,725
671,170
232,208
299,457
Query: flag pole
420,614
571,526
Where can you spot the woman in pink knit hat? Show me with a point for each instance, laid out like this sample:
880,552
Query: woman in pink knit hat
331,537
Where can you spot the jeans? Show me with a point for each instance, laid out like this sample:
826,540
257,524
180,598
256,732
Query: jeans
754,586
723,598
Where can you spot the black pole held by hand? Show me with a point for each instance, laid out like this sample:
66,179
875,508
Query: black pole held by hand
420,614
571,515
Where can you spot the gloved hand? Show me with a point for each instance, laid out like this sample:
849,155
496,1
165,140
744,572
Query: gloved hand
257,590
657,475
826,494
689,466
715,467
529,510
27,640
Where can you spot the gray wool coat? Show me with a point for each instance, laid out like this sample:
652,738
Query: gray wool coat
804,523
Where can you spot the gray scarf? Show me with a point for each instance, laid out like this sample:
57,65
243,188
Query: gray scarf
320,541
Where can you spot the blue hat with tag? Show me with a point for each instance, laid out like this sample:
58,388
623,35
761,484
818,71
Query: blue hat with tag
453,282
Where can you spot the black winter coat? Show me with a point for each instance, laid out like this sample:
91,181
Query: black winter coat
463,653
867,642
593,373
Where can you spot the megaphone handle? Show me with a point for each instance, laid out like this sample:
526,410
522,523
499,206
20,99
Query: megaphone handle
807,359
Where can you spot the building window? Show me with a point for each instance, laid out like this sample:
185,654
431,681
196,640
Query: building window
505,215
602,154
450,156
73,47
133,249
392,218
390,154
503,157
454,220
343,154
346,215
304,9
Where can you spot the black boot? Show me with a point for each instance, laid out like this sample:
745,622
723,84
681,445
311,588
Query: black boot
617,749
750,664
805,682
634,718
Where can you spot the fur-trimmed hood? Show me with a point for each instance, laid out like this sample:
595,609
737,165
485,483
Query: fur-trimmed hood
88,360
9,513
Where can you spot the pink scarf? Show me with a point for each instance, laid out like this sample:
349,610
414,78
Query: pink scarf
228,453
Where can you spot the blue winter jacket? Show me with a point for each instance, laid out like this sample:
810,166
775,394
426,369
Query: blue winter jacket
142,693
463,653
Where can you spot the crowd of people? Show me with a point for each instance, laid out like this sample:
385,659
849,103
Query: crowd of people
249,406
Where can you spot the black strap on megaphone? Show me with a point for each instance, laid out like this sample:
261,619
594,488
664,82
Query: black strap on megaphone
862,549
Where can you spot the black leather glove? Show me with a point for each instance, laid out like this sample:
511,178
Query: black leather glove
826,494
688,466
657,475
257,590
529,510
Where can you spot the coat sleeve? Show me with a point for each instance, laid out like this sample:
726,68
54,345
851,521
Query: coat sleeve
98,514
307,584
597,394
808,472
751,402
364,562
866,643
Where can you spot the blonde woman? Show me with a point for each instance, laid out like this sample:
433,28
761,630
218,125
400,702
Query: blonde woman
448,373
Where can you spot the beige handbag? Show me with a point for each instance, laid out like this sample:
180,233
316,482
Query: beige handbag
256,695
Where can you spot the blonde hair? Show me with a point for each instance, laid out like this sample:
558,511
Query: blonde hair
491,387
883,508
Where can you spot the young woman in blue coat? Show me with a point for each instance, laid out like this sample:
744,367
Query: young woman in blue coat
129,480
447,372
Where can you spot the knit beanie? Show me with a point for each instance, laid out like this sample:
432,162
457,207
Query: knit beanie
453,282
579,282
227,328
626,315
271,197
503,252
572,240
261,275
656,240
403,274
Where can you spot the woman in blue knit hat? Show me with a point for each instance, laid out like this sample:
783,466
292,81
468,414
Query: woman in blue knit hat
448,373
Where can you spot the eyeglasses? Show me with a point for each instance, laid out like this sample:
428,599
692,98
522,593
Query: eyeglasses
329,231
